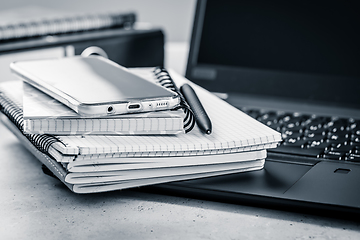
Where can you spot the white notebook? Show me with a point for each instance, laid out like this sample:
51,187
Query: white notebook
102,181
123,184
148,173
117,164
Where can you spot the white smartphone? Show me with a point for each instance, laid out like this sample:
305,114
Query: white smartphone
95,86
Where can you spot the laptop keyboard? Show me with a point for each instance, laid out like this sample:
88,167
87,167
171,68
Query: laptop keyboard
313,136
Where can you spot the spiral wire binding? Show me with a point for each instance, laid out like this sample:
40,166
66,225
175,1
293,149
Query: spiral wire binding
166,81
41,141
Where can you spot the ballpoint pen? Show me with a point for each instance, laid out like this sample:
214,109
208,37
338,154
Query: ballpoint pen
201,117
189,96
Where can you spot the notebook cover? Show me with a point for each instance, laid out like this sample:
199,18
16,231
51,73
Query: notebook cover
138,163
149,173
116,185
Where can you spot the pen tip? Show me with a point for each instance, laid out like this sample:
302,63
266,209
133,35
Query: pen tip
208,131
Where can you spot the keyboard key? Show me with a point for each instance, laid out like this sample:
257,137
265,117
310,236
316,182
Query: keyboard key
340,147
285,118
332,157
294,142
357,132
269,116
338,140
319,131
293,127
291,134
315,123
352,157
291,121
354,125
310,152
340,134
337,125
335,153
314,137
355,150
317,144
354,143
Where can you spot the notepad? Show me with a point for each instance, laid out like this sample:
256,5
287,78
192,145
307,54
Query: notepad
149,173
92,182
137,163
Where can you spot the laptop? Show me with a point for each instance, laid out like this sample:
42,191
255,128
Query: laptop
295,66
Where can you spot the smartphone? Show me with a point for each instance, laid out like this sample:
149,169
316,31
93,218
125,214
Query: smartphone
95,86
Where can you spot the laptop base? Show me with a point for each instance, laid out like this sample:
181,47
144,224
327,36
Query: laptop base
281,185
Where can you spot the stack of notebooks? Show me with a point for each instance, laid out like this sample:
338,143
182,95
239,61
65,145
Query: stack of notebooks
104,154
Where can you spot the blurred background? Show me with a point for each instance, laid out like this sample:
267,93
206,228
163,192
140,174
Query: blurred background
174,17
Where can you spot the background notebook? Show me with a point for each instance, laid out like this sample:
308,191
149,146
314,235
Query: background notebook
285,57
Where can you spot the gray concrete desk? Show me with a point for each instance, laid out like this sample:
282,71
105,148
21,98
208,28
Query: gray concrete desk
36,206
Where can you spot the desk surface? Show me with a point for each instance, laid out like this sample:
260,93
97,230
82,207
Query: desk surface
36,206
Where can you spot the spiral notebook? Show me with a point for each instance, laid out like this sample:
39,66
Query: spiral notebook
134,173
37,21
98,173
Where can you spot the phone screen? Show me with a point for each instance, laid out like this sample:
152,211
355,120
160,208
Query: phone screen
92,80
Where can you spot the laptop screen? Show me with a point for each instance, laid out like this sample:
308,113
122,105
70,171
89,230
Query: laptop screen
303,50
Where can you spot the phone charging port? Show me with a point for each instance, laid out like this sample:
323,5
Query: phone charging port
110,109
134,106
